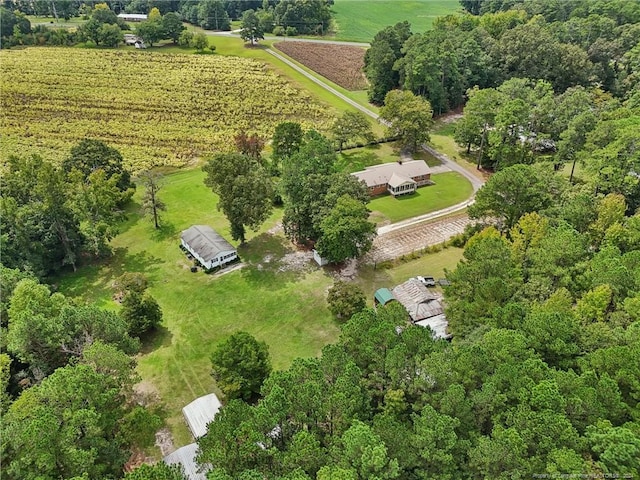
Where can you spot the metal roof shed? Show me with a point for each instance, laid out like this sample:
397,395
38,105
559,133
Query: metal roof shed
383,296
186,456
200,413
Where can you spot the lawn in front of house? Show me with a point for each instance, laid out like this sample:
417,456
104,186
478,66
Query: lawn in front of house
449,189
276,296
356,159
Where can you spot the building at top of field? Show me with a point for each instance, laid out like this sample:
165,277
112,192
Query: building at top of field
133,17
397,178
208,246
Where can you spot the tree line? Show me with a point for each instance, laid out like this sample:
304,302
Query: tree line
68,404
563,43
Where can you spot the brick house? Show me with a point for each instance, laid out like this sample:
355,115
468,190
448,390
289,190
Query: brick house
397,178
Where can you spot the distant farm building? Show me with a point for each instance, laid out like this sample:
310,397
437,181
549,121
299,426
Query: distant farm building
133,17
425,308
397,178
208,246
131,39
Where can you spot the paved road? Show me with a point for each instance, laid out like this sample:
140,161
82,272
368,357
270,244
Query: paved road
353,103
235,33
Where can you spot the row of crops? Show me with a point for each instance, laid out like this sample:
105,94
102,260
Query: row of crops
157,109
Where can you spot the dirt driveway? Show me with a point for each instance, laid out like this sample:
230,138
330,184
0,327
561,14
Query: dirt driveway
396,243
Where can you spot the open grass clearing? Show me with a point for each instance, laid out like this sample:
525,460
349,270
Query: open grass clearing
360,20
433,264
450,188
356,159
279,295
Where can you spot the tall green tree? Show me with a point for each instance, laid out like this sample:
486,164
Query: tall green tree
251,28
345,300
244,188
346,232
172,26
90,155
351,126
240,366
287,140
511,193
408,117
66,427
213,16
380,58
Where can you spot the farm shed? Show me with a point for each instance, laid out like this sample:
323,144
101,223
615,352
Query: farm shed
208,246
397,178
133,17
199,413
186,456
424,307
383,296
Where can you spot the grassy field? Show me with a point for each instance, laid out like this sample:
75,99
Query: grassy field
434,264
277,296
360,20
450,188
283,305
357,159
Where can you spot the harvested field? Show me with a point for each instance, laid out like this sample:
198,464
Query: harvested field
342,64
156,109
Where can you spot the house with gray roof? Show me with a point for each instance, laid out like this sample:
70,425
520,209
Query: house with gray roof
397,178
208,246
424,307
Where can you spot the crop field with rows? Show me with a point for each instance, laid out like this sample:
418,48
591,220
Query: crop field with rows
342,64
157,109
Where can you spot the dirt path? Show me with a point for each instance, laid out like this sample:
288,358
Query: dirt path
414,237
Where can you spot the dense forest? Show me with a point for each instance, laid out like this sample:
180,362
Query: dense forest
567,44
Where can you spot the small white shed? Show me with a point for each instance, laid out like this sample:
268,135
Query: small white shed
200,413
186,456
208,246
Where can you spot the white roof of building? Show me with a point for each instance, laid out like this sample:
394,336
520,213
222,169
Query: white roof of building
381,174
437,324
200,413
186,456
396,180
137,16
205,241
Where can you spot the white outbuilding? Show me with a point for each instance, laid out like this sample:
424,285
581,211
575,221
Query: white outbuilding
208,246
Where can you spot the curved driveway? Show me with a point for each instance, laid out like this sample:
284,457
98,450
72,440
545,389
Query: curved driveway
407,236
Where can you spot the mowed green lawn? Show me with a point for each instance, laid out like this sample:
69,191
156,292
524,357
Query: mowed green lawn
360,20
357,159
283,306
450,188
